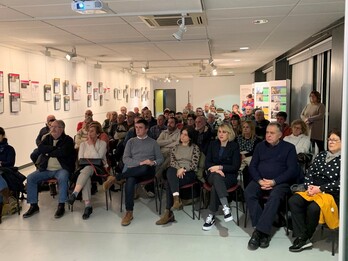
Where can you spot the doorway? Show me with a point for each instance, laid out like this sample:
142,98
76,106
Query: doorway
164,98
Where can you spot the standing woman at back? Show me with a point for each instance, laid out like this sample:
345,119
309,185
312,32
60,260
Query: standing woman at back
313,115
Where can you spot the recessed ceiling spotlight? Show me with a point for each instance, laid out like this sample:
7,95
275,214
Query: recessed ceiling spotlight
237,60
260,21
244,48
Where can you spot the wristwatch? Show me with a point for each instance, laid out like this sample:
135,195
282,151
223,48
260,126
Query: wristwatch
154,163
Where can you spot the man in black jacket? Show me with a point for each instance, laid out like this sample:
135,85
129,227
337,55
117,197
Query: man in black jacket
57,160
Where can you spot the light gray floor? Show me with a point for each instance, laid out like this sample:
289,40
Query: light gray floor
42,237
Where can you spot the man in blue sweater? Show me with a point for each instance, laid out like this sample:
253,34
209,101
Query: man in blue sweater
140,158
273,169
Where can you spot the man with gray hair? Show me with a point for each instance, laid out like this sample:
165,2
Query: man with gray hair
260,124
273,170
56,160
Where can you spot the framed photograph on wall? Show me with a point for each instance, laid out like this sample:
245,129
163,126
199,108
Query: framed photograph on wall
89,87
95,94
101,100
66,103
15,102
2,95
89,100
66,86
57,101
47,92
56,85
100,87
119,94
1,81
76,92
13,82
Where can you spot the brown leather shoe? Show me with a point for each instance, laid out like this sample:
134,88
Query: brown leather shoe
168,216
108,183
177,205
127,219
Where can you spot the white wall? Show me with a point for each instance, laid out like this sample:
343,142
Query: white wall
22,127
200,90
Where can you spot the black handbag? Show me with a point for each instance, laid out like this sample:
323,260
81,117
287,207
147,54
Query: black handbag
13,178
94,162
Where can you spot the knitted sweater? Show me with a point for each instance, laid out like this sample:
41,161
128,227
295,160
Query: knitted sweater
277,162
138,150
185,157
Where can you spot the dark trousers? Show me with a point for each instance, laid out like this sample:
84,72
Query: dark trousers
305,216
174,183
133,176
262,217
319,143
219,186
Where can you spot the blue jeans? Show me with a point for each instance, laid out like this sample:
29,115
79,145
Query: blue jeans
35,178
3,185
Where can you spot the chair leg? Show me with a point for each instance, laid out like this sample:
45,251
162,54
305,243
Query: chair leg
121,187
200,203
237,207
106,200
193,203
156,192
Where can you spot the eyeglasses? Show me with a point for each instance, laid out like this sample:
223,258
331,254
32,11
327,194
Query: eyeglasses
333,141
56,127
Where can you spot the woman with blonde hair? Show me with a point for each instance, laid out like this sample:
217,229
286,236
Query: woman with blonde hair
92,148
247,142
222,163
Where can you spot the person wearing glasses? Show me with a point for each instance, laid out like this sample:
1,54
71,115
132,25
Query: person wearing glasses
321,195
56,160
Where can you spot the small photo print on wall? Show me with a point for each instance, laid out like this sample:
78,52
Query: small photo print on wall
107,94
56,85
57,101
101,100
66,86
66,103
1,81
13,82
100,87
2,102
89,87
89,100
15,102
47,92
76,92
95,94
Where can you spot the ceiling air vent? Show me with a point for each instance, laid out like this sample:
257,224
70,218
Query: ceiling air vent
172,20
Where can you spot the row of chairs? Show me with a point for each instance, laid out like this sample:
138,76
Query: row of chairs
237,190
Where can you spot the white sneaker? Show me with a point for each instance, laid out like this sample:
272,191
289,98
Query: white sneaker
227,213
209,222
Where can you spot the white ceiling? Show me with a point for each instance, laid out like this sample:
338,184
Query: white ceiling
116,39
